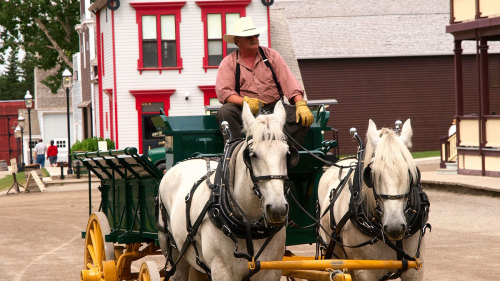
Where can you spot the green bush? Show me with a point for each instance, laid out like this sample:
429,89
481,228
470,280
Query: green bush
91,144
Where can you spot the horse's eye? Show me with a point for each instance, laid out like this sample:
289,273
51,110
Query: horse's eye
253,155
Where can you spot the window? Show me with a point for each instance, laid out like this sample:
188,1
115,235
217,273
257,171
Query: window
159,45
218,19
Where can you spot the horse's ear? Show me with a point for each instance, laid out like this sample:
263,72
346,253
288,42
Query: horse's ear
407,133
279,112
372,134
247,116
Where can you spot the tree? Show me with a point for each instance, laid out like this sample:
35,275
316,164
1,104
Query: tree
44,29
10,83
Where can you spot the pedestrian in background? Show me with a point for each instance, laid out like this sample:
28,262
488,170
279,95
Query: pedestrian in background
52,154
40,150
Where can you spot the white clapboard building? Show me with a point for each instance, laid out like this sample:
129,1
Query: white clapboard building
160,54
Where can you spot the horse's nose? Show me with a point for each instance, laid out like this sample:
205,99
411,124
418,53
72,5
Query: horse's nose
276,213
395,232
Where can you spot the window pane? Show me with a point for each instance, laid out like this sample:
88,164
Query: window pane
231,48
230,19
168,53
214,101
151,106
214,52
168,27
150,53
214,25
148,27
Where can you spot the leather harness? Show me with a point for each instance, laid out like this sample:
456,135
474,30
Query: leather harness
222,210
417,214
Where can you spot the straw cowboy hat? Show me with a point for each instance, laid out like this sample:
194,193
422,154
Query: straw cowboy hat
243,27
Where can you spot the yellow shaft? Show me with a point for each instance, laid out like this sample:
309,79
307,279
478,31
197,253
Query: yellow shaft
335,264
316,275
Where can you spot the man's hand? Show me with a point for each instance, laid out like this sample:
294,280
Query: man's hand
303,112
253,103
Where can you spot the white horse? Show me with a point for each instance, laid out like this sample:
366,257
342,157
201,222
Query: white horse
267,151
392,172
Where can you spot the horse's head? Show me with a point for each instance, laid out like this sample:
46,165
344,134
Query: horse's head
266,160
390,170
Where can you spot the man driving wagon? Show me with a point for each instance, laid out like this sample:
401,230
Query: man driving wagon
259,76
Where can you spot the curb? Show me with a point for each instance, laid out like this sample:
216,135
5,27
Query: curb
460,188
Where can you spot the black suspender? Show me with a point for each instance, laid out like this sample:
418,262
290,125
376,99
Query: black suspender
268,64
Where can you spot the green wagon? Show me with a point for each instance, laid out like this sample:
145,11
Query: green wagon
124,229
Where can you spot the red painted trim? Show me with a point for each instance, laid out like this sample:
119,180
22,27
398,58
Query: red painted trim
268,28
102,55
109,93
219,7
107,121
115,127
208,93
99,74
158,9
149,96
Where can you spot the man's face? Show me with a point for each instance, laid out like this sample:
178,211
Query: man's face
248,43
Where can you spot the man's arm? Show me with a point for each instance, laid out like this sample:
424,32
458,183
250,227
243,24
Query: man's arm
225,83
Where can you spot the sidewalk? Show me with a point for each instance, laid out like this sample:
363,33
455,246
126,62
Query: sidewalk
55,177
457,183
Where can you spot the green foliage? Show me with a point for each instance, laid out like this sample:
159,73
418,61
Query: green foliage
91,144
7,181
44,29
11,83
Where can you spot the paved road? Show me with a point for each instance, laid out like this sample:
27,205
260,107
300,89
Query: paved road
40,235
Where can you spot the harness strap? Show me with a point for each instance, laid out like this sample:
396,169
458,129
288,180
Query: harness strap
399,272
192,229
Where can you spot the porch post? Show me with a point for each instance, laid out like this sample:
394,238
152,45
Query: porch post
484,107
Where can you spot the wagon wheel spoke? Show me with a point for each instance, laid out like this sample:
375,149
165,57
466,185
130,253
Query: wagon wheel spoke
99,259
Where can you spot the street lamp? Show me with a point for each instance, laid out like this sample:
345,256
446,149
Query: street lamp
28,103
20,125
67,81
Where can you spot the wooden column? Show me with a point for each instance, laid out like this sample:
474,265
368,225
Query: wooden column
484,98
459,89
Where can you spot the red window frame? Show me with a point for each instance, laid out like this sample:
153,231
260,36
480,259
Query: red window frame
219,7
158,9
208,93
150,96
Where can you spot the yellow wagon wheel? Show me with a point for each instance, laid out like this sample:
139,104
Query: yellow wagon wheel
149,272
99,257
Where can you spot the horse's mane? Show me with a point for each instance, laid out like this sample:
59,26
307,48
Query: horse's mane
265,128
391,158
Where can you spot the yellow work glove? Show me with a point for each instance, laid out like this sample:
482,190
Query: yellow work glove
253,103
303,112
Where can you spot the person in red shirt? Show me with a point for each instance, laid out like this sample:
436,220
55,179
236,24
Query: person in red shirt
52,154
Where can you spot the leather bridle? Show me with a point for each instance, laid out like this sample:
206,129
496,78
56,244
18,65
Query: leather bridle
248,153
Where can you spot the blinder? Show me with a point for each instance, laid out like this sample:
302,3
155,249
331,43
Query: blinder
368,179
